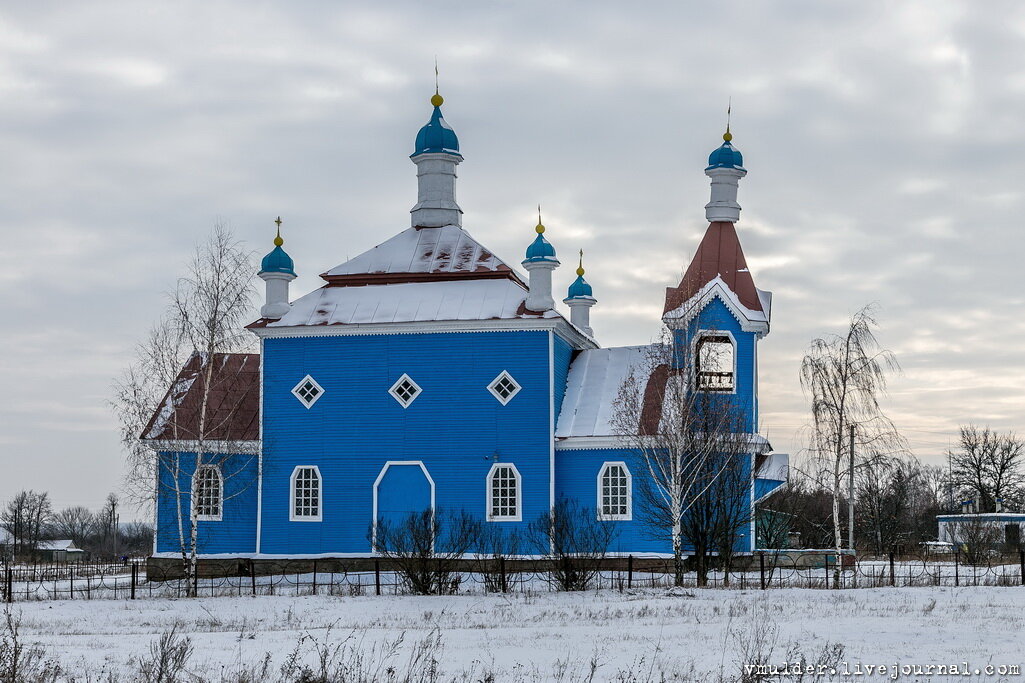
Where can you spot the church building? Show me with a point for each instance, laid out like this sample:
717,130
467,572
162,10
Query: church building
429,373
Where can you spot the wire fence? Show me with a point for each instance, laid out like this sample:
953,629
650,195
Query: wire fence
381,576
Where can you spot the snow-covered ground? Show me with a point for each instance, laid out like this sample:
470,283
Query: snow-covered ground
636,635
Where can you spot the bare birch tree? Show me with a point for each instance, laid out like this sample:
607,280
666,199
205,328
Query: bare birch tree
688,442
205,319
845,376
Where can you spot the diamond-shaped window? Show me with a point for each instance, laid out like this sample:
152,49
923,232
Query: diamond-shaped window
504,387
308,391
405,390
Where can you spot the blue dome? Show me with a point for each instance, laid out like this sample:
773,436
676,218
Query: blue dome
580,288
540,249
436,136
726,156
277,262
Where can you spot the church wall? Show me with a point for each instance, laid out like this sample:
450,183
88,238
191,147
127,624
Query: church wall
576,477
236,531
455,426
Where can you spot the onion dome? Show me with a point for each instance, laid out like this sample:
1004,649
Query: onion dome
580,288
277,261
540,249
726,155
437,135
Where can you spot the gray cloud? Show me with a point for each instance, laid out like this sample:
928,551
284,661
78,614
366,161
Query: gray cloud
882,143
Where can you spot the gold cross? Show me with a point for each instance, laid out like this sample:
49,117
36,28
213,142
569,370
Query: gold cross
278,222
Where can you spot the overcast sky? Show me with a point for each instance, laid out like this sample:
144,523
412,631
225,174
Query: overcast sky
883,143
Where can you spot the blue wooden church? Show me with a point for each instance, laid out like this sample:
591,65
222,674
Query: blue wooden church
427,372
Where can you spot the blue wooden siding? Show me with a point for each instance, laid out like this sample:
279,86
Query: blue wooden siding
716,317
562,357
455,426
576,477
236,531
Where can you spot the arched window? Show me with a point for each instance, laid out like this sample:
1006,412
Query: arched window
715,363
504,496
306,495
208,493
615,494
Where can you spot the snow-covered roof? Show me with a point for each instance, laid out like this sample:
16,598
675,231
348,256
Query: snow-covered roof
595,378
66,544
462,299
775,466
423,250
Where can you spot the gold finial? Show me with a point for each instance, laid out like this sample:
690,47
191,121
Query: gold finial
727,136
277,240
540,226
436,99
580,268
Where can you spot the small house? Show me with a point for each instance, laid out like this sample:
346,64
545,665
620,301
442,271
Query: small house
62,551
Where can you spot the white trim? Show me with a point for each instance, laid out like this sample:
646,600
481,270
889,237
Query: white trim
518,517
757,442
394,394
377,482
308,402
551,421
559,324
750,321
494,383
597,443
629,493
259,460
292,517
193,445
220,494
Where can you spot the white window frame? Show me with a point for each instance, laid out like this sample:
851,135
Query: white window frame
304,380
489,481
494,383
696,371
292,517
629,493
395,395
220,493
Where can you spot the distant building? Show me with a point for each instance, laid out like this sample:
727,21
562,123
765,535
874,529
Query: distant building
428,373
1001,530
59,551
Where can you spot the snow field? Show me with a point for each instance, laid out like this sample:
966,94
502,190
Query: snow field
691,634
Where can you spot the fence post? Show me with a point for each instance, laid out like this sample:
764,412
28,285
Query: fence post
1021,558
10,585
827,571
630,571
135,572
501,574
761,567
314,577
252,575
957,563
71,577
893,576
377,575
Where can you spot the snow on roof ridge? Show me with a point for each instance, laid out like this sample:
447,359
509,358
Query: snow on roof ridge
448,249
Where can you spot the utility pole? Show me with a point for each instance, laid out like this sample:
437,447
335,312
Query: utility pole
850,496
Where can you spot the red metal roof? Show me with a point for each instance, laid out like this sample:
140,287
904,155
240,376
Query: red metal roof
718,255
233,402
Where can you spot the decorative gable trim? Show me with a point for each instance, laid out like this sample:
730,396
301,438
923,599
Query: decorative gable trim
749,320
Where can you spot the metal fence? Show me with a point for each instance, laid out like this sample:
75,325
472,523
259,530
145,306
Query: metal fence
380,576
